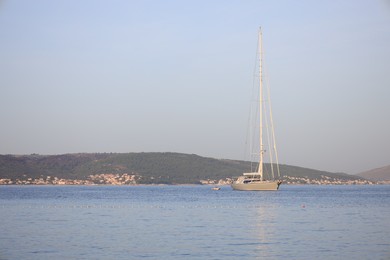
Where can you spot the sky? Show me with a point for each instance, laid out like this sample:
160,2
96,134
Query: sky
176,76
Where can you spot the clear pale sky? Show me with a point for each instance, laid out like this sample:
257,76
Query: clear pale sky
176,76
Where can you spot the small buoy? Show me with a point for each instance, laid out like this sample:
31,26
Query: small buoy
303,206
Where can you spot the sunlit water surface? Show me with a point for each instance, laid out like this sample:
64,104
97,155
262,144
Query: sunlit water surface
194,222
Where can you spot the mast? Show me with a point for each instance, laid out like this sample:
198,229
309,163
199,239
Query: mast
260,171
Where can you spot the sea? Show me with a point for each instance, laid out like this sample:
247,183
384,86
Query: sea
194,222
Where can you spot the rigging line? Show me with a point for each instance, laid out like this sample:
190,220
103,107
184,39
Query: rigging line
267,112
269,140
247,138
272,128
252,131
254,110
255,138
251,135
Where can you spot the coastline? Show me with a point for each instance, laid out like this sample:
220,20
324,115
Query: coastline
189,184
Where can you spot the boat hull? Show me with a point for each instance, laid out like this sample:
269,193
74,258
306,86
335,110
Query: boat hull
257,186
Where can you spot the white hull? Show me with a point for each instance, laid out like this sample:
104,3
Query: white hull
259,185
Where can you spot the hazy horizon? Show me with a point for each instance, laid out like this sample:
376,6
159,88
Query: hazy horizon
173,76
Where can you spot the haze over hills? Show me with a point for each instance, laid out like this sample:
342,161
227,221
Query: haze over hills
378,174
146,168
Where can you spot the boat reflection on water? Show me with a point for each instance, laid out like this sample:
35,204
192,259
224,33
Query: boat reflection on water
266,219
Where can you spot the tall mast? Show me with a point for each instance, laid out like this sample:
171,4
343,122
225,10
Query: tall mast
261,103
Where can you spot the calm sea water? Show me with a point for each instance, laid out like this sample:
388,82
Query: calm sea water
194,222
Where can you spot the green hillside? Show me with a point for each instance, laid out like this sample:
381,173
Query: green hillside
156,168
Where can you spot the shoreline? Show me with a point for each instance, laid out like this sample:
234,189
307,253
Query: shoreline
209,185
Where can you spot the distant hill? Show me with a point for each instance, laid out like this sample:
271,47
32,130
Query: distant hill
156,168
379,174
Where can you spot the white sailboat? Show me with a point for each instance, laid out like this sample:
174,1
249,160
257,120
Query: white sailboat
257,180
